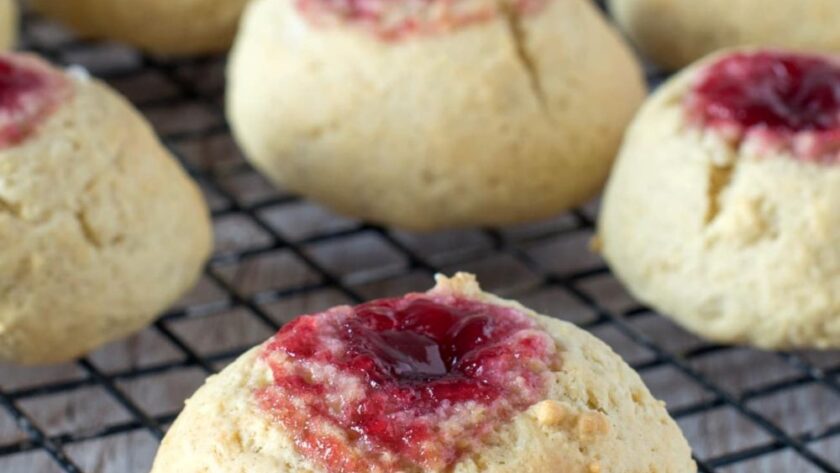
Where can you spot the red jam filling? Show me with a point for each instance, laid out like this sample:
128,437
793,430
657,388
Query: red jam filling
403,384
783,99
30,91
393,20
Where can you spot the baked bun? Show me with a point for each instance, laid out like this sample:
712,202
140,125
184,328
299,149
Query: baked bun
723,210
674,33
434,114
100,229
166,27
8,24
453,380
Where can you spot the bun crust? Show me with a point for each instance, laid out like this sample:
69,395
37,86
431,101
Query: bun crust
738,244
597,416
100,229
9,17
675,33
166,27
511,119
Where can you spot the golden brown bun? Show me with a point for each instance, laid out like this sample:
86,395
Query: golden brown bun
597,416
167,27
100,229
674,33
512,119
8,24
738,246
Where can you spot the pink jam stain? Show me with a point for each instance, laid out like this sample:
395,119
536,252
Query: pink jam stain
420,18
30,90
784,100
403,384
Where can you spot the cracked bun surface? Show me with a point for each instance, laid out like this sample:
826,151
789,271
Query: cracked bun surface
100,228
453,380
435,114
723,210
674,33
8,24
166,27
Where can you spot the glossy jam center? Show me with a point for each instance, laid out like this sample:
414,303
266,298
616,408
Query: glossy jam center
776,100
403,384
394,20
778,91
29,91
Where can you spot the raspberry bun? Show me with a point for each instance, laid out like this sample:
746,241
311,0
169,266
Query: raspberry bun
100,229
674,33
166,27
8,24
723,210
433,114
452,380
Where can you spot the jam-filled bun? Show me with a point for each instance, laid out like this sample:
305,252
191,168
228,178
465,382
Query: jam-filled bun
451,380
674,33
100,229
8,24
723,210
433,114
167,27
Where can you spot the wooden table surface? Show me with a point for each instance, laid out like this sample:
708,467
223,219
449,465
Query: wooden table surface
727,400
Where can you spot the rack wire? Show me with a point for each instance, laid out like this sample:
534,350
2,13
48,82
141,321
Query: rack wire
277,255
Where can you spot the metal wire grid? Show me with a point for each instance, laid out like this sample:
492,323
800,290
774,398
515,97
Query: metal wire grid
543,262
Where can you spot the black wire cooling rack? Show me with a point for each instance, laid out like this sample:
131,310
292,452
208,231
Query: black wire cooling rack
277,255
